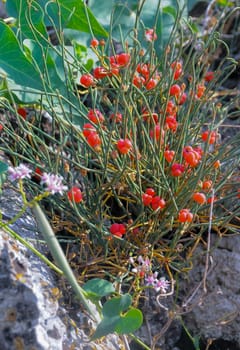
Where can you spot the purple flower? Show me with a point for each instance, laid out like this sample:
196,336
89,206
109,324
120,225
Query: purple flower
19,172
151,279
144,265
53,183
162,285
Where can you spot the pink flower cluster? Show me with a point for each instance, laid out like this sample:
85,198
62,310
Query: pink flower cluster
144,270
52,183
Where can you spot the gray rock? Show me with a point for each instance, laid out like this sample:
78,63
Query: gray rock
31,316
216,314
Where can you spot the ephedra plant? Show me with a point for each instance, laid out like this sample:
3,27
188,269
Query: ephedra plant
136,142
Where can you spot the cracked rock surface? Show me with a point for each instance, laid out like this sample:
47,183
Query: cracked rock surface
31,316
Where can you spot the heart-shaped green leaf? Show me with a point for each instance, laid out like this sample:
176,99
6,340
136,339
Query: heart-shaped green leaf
99,287
115,319
129,322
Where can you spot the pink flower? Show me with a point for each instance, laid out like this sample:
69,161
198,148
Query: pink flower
19,172
161,285
53,183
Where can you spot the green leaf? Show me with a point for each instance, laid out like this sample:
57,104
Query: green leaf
129,322
14,62
114,318
29,17
117,305
3,167
74,14
124,16
106,326
43,57
99,287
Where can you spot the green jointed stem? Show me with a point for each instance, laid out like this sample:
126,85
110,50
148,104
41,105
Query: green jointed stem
61,260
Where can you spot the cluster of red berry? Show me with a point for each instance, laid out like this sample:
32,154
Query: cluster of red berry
159,123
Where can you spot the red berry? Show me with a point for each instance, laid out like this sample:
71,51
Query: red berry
207,185
123,59
177,74
177,68
1,127
100,73
37,174
94,140
158,202
170,108
87,129
143,69
150,191
169,155
209,136
146,199
175,90
124,146
87,80
157,133
177,169
114,70
95,116
75,194
182,99
138,81
210,200
117,230
190,156
199,197
94,42
151,84
185,215
209,76
217,164
171,123
176,65
22,112
200,90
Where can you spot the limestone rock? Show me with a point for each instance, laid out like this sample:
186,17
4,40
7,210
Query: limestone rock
216,313
31,316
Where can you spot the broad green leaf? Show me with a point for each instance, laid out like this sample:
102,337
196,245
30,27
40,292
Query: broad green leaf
117,305
21,95
129,322
99,287
117,317
124,16
46,65
29,17
106,326
14,62
73,14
